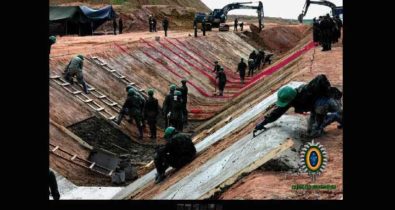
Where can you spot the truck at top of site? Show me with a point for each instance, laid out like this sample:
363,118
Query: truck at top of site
218,16
336,10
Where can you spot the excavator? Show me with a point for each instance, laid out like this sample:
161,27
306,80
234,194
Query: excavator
218,16
336,10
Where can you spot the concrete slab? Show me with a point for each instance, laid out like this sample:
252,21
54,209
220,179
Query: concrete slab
70,191
139,184
244,156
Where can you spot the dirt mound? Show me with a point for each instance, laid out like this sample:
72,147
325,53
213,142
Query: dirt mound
135,13
279,38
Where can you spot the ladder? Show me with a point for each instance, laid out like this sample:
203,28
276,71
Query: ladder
72,158
116,74
87,100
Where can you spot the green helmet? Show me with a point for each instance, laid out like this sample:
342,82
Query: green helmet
131,92
285,95
184,80
173,87
177,93
150,92
128,88
53,39
81,56
169,131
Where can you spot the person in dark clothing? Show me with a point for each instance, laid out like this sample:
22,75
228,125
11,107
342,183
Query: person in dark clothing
151,112
53,186
154,24
251,67
339,25
258,60
261,53
74,69
126,112
133,106
52,40
217,67
221,81
316,31
332,106
176,113
204,26
168,104
165,24
241,68
150,22
120,22
178,151
184,90
235,24
303,99
114,25
252,55
195,27
241,26
326,28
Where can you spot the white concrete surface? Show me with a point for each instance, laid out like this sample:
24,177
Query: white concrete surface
137,185
248,152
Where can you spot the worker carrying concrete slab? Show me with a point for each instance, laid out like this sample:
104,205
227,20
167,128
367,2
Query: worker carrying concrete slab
178,151
241,68
151,112
184,90
53,186
315,97
177,111
221,81
74,68
168,104
133,106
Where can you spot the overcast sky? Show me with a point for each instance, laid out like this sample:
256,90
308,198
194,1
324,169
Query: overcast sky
289,9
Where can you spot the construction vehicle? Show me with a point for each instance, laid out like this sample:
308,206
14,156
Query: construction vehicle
336,10
218,16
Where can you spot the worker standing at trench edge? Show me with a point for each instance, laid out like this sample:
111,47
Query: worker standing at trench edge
235,24
151,112
165,24
304,99
178,151
74,68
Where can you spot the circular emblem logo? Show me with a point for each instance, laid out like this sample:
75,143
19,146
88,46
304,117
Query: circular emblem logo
313,159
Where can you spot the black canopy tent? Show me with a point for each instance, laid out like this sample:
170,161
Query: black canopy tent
79,20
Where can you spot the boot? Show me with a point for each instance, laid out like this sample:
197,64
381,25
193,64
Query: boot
118,119
159,178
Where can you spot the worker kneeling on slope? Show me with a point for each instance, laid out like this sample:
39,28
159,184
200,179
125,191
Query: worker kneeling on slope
74,68
306,98
178,151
